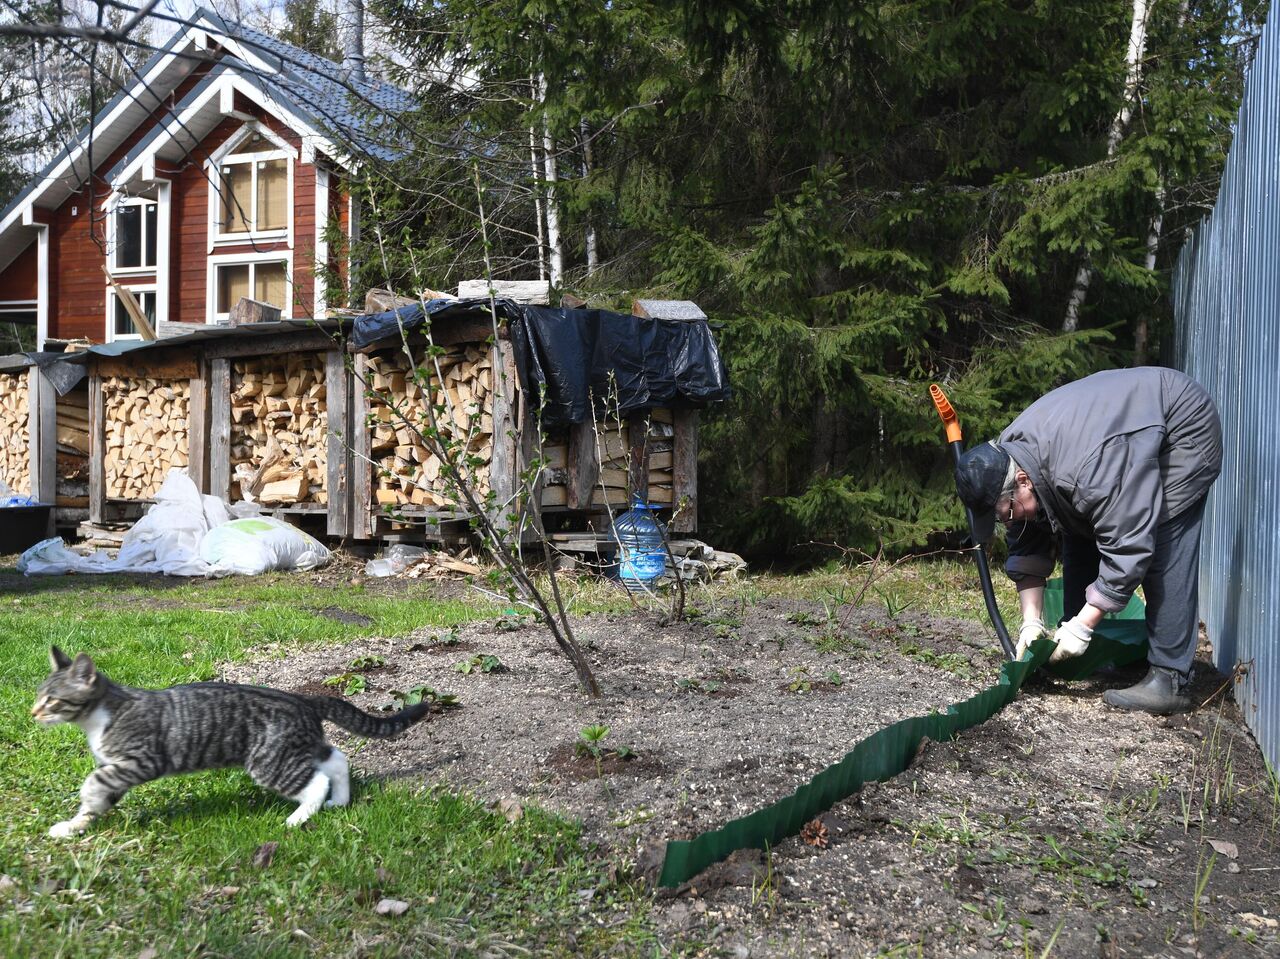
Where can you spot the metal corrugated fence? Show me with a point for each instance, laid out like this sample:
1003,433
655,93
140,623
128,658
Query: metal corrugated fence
1226,300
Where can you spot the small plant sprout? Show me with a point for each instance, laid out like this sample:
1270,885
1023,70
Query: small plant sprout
350,683
364,663
480,663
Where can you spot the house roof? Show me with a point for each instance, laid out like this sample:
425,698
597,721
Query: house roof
345,117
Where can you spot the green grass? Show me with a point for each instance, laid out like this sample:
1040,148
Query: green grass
173,867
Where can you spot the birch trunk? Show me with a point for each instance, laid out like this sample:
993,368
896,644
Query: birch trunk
554,246
1133,76
535,164
593,258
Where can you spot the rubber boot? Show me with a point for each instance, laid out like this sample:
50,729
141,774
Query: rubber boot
1160,693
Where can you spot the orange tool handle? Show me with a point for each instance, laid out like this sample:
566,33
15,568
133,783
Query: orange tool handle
949,418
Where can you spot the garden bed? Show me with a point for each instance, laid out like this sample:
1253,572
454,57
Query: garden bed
1060,820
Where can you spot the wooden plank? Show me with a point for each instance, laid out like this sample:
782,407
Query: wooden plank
97,449
584,464
159,364
684,310
532,292
502,463
638,438
530,499
131,306
338,464
362,505
299,341
43,433
684,468
220,428
198,431
248,310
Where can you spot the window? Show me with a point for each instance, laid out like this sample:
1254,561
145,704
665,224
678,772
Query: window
122,326
254,195
135,235
265,280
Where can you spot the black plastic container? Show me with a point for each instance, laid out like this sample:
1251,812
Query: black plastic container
22,527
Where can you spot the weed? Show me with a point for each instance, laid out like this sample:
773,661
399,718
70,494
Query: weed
420,694
589,743
1203,872
800,681
766,892
364,663
955,663
350,683
480,663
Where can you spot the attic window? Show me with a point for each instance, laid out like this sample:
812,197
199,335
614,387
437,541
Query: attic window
254,195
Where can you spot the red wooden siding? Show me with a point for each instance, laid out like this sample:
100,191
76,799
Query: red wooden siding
19,280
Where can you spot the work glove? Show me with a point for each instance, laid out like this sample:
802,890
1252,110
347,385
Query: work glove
1032,629
1072,638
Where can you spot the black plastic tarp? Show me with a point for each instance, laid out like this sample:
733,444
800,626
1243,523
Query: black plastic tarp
624,363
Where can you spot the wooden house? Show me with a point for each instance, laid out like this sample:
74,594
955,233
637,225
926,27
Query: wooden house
218,174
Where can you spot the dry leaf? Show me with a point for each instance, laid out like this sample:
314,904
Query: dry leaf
815,833
1224,848
391,907
149,953
263,855
511,809
1260,922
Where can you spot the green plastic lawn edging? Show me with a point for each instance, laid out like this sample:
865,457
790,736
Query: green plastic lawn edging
1118,640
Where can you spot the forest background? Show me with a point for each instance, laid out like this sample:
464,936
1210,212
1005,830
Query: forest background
864,197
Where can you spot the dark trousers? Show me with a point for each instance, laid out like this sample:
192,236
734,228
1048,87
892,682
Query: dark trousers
1171,587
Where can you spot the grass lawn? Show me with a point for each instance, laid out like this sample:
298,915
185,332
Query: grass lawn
179,868
174,867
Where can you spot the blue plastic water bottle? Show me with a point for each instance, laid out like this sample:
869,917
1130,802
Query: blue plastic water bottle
644,558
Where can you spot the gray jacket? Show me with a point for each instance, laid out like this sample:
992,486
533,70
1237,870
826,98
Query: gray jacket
1112,456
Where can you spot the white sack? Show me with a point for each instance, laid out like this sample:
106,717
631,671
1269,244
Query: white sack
256,545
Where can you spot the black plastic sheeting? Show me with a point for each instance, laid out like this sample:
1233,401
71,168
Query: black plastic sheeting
623,363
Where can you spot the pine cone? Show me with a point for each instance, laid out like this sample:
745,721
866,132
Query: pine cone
815,833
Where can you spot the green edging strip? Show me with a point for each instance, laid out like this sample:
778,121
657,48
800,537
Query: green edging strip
882,755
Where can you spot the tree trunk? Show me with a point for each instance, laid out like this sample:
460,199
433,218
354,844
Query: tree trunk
535,164
1133,76
593,259
554,246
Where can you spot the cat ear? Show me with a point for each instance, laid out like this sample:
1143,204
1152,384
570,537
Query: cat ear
82,669
58,659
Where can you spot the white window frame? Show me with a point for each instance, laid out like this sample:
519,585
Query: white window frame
113,246
227,154
112,335
241,259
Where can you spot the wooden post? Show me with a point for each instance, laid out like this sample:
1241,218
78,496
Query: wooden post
337,410
42,429
220,428
684,471
506,434
583,465
530,499
361,449
198,429
638,458
97,451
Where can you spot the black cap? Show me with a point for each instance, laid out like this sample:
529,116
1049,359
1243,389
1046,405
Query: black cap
980,478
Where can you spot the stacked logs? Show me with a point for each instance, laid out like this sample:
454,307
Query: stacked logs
612,484
279,429
15,439
145,424
72,412
406,471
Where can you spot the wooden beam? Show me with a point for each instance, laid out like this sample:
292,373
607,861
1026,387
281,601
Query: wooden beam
684,471
338,466
198,430
159,364
300,341
220,428
97,451
248,310
362,504
532,292
531,499
444,332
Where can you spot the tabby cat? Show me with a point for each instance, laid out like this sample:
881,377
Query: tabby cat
138,735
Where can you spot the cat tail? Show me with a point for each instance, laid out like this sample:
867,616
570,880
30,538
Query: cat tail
343,714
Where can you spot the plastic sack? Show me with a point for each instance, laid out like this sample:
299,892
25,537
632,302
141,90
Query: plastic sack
395,559
52,557
167,540
257,545
9,498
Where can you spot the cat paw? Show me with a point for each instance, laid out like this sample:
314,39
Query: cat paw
297,819
66,829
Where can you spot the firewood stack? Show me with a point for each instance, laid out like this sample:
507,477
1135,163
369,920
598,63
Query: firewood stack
406,473
15,440
145,422
612,483
72,413
279,429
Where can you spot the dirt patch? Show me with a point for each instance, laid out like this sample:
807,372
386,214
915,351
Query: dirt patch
344,616
1058,820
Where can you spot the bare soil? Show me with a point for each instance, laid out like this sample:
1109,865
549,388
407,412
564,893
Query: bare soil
1059,823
